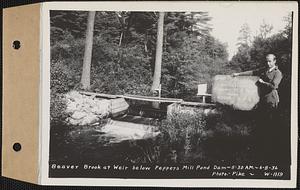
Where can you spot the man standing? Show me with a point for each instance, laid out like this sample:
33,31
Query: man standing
268,129
268,83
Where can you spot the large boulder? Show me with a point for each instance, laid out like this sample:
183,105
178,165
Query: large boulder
84,110
239,92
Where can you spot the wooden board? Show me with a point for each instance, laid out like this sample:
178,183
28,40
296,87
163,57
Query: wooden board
197,104
239,92
151,98
101,95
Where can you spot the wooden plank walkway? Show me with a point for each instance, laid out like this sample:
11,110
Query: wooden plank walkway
133,97
197,104
100,95
152,99
148,98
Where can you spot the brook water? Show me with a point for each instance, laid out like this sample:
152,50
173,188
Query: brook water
137,139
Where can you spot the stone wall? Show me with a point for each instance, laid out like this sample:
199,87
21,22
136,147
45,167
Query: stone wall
85,110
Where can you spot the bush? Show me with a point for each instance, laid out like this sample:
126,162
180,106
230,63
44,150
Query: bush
58,106
61,81
184,130
69,49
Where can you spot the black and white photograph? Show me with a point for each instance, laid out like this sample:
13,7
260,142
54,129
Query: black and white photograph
194,93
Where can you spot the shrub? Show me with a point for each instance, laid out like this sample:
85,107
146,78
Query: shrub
58,105
69,49
184,130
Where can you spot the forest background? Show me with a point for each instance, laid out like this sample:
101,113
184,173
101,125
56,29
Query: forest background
124,47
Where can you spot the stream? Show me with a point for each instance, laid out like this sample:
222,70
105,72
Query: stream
124,139
135,139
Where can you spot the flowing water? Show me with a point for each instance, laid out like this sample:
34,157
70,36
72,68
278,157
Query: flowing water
124,139
136,139
133,139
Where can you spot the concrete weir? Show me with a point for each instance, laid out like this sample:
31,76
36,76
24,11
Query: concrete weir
191,107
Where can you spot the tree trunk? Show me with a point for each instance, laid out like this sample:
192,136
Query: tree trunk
86,69
158,56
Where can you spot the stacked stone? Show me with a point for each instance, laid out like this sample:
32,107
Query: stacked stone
84,110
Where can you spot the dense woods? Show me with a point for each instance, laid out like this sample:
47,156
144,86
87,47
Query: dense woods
124,47
126,53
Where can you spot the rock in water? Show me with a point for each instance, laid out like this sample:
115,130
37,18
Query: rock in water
85,110
239,92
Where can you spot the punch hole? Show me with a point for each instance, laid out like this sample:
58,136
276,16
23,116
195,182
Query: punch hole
16,44
17,147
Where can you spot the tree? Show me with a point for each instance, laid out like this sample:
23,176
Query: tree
242,58
158,55
190,54
265,29
245,35
86,69
200,23
195,61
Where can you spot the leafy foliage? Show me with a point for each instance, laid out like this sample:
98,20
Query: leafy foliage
185,130
124,51
59,85
245,37
120,70
58,107
195,61
265,29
